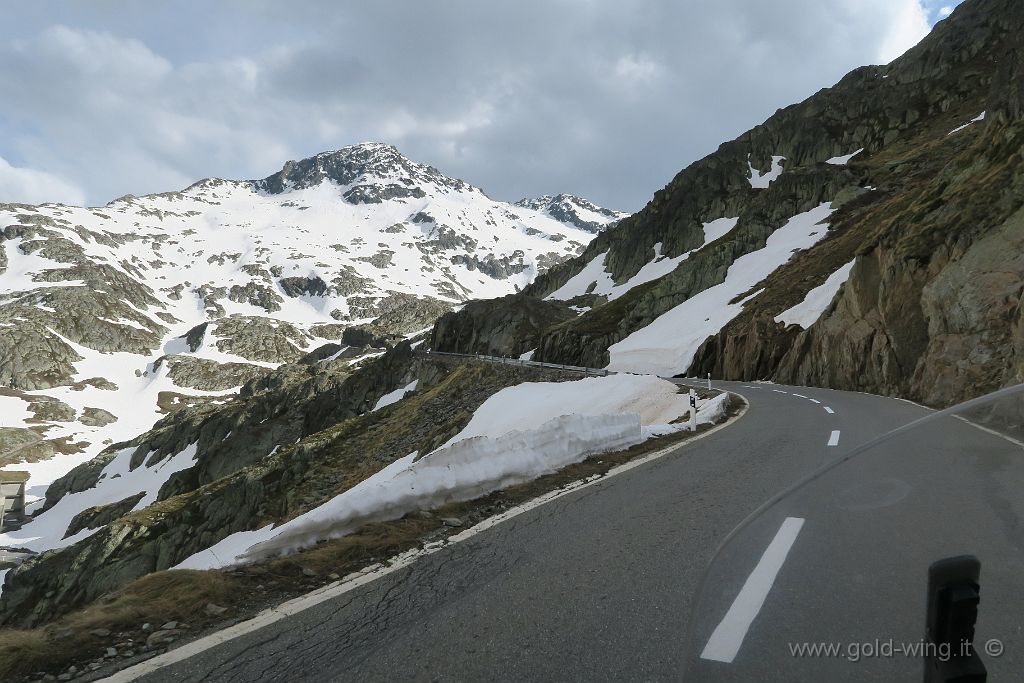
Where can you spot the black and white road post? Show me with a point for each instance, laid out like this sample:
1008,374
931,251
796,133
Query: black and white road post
693,410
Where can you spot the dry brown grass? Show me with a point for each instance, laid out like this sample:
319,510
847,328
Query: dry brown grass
156,598
173,595
20,650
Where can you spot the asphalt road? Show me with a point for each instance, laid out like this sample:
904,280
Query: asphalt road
861,538
600,584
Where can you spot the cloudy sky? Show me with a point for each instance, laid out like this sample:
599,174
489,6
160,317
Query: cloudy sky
602,98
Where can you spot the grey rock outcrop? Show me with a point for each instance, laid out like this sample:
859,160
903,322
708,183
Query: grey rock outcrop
208,375
509,326
372,172
259,339
96,417
300,286
256,294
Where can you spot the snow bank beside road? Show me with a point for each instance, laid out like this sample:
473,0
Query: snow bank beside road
709,411
519,434
529,405
462,471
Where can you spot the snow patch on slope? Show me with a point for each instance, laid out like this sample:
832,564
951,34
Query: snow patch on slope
807,312
224,552
762,180
660,266
667,346
13,412
395,396
594,272
116,482
843,160
718,228
579,284
979,117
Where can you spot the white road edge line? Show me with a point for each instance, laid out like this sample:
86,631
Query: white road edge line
833,438
370,574
990,431
829,410
725,641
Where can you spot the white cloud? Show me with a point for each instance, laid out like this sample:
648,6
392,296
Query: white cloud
907,23
636,69
97,54
26,186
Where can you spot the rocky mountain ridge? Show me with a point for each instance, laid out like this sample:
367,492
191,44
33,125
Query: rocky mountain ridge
369,173
573,210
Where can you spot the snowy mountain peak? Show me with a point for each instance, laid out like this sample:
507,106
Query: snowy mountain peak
126,312
369,173
573,210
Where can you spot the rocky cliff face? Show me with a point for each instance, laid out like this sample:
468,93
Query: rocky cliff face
918,165
931,310
937,318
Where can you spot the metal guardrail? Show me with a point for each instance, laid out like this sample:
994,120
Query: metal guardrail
596,372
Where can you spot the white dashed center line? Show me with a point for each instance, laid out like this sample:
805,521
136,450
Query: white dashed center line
725,642
780,391
814,400
829,410
833,439
799,395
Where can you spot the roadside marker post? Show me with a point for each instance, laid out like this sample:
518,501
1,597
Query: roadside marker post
693,410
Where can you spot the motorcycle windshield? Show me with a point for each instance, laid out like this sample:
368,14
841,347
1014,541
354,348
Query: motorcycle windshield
829,581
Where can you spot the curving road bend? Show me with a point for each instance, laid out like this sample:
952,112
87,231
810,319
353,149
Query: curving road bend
596,585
